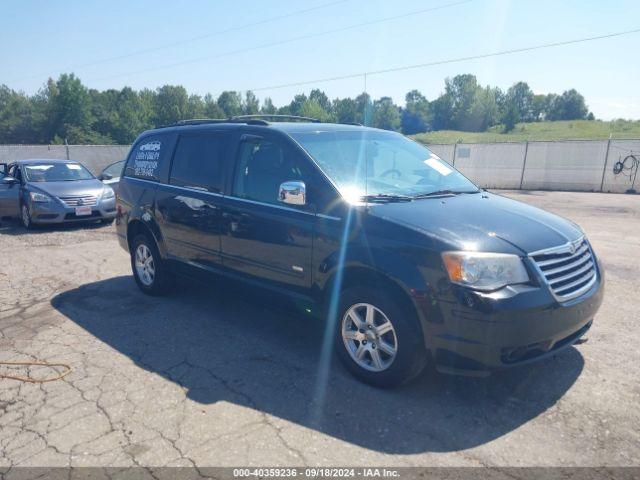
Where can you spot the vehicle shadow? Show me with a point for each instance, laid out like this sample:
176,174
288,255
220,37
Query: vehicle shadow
251,350
13,226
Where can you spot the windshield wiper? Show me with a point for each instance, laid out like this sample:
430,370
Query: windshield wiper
386,197
437,193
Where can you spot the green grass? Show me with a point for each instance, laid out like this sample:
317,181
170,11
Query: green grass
560,130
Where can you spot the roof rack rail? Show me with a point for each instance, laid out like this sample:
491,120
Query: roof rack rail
248,119
199,121
275,117
352,123
205,121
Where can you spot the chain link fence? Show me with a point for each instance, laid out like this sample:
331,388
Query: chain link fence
576,165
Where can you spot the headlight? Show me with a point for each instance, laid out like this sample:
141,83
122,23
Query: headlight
484,271
39,197
108,193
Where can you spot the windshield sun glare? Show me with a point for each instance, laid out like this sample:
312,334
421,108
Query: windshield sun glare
377,163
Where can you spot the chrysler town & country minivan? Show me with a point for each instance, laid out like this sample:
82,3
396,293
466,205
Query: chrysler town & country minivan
405,259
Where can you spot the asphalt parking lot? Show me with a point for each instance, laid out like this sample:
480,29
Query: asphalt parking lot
207,377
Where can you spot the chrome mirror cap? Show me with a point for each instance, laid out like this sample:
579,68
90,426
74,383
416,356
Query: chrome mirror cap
293,192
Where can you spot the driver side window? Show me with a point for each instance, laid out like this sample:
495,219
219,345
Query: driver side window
261,167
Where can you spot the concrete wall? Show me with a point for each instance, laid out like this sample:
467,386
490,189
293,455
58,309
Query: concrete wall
9,153
445,152
617,151
491,165
96,157
582,165
564,165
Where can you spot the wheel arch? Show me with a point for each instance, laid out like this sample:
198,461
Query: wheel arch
137,227
365,275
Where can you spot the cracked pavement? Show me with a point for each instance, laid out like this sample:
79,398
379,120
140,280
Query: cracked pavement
210,376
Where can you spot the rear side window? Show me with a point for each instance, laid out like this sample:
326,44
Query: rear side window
149,157
198,161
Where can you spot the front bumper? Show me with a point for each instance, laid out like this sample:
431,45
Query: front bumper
55,212
518,325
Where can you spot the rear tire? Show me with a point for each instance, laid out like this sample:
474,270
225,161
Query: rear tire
378,340
149,270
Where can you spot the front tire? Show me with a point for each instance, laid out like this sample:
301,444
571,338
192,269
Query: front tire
378,340
149,270
25,216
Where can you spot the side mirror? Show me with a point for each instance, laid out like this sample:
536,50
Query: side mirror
293,192
104,176
9,180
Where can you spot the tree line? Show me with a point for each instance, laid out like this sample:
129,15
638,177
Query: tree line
66,110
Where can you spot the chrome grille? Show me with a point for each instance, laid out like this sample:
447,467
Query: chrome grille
569,269
79,200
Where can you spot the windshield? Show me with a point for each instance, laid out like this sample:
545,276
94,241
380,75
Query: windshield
56,172
373,163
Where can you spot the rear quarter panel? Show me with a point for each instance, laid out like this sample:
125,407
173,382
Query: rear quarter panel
137,187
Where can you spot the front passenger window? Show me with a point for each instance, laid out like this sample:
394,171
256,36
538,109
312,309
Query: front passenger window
262,166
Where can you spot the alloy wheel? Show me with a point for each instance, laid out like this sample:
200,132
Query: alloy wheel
26,218
145,266
369,337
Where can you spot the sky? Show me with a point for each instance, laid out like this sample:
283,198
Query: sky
213,45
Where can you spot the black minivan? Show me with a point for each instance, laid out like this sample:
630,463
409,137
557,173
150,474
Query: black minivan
403,257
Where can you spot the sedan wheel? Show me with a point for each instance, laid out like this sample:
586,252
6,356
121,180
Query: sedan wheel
369,337
26,217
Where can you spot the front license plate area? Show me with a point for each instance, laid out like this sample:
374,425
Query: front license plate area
83,211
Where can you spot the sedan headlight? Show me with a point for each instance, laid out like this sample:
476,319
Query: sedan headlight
39,197
108,193
484,271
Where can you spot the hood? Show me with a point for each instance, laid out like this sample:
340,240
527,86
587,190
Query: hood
74,187
482,222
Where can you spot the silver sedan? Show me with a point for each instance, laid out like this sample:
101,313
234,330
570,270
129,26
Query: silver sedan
53,191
